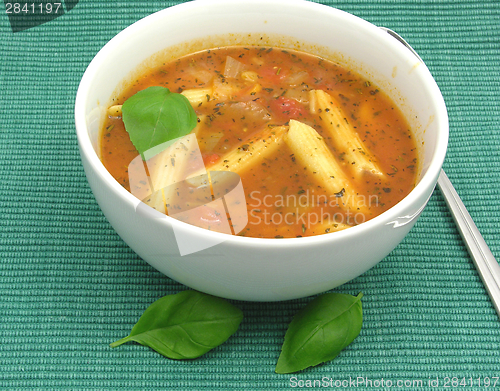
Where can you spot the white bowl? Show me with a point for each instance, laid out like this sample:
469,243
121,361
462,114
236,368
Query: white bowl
246,268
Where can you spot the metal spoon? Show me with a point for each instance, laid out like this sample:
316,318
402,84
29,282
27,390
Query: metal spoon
484,261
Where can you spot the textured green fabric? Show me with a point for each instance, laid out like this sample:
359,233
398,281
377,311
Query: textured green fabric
69,286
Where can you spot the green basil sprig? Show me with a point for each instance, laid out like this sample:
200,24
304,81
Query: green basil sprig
185,325
320,331
155,115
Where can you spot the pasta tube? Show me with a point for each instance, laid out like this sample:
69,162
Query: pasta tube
168,165
115,111
251,152
345,138
200,124
198,96
311,150
174,161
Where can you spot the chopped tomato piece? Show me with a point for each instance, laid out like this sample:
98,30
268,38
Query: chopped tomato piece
210,158
272,75
286,108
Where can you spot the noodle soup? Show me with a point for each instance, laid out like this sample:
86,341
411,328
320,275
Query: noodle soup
317,147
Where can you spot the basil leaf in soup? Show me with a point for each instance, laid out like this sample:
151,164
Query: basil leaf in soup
185,325
156,115
320,331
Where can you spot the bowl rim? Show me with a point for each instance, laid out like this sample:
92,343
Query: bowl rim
427,181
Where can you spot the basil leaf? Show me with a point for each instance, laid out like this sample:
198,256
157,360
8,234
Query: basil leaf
185,325
320,331
156,115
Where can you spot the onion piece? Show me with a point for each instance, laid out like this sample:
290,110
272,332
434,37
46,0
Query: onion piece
299,95
233,68
297,78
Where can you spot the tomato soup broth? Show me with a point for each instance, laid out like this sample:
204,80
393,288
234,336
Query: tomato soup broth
245,96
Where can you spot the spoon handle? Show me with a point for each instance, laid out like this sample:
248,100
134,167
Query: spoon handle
486,264
483,259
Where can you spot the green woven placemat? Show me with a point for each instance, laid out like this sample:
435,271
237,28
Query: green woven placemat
69,286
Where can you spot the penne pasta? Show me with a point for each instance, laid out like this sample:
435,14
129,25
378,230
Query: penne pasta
345,138
170,164
115,111
250,76
197,130
198,96
173,161
252,151
312,151
209,141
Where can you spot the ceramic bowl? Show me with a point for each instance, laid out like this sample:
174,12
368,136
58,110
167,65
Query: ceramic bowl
244,268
